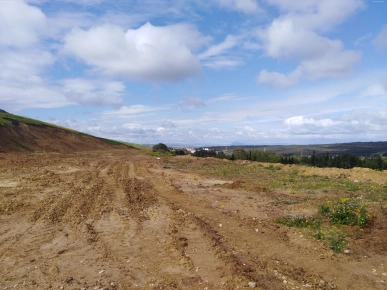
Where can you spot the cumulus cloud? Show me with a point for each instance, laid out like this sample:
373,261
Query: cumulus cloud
148,53
318,15
369,123
381,39
245,6
21,24
23,59
300,121
295,36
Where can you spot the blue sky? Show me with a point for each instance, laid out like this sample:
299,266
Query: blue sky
199,72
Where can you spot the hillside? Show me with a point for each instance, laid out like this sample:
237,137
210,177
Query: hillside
20,134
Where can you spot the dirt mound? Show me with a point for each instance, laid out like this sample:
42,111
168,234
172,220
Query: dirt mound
24,137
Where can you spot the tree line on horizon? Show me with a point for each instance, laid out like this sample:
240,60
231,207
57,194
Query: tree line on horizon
345,161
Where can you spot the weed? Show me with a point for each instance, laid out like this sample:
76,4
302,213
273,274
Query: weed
383,207
319,235
337,242
272,167
349,211
324,210
299,222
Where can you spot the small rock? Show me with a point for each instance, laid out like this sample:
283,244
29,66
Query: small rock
220,225
257,230
347,251
252,284
67,281
101,272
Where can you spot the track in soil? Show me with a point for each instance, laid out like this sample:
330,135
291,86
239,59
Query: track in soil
122,221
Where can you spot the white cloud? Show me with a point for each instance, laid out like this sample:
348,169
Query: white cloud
245,6
222,62
148,53
278,80
14,97
219,55
230,42
316,14
362,39
93,92
132,111
294,37
168,124
381,39
373,90
300,121
21,24
23,66
369,124
189,103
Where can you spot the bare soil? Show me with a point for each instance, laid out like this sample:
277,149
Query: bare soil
124,220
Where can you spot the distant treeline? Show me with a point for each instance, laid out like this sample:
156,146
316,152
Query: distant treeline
361,149
319,160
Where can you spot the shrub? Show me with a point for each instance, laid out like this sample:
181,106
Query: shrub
160,148
349,211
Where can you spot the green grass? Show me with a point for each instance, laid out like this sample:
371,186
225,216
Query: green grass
138,146
160,154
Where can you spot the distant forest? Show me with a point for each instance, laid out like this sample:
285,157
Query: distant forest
345,160
360,149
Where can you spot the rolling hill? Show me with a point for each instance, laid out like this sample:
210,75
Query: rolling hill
20,134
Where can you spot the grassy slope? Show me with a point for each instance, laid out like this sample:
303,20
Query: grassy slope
6,119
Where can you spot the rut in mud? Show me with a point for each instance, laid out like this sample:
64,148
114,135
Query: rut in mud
123,221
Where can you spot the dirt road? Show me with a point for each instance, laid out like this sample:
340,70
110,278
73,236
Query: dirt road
123,220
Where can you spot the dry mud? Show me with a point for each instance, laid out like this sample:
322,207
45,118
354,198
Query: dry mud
122,221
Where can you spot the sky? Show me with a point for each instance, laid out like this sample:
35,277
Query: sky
198,72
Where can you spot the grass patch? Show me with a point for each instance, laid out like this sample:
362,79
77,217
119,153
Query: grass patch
326,224
300,222
126,144
160,154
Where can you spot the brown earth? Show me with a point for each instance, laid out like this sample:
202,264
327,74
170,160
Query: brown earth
122,220
24,137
